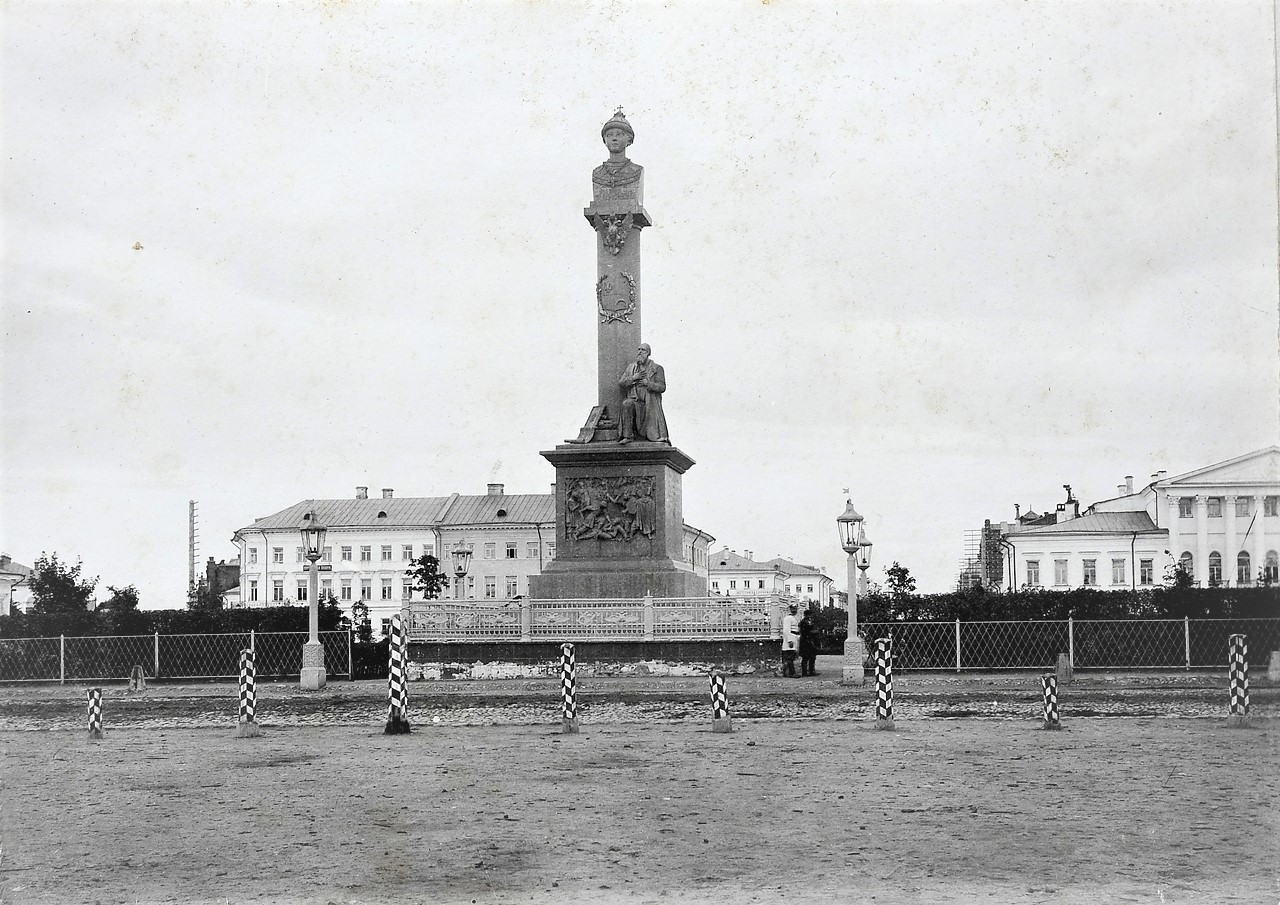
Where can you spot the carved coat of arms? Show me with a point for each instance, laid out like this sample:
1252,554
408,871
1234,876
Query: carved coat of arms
616,299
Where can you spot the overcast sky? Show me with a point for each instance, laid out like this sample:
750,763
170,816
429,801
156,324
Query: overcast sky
950,256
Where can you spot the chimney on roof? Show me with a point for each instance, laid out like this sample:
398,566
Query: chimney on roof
1017,510
1160,474
496,489
1128,483
387,492
1120,490
746,553
362,493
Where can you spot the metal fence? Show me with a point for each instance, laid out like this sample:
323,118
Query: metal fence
634,619
97,658
1089,643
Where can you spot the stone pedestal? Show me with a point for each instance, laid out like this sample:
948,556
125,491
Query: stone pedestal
313,674
619,524
855,654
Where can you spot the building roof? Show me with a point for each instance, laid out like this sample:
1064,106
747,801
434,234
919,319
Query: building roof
415,512
1098,523
794,568
728,561
524,508
1267,458
9,567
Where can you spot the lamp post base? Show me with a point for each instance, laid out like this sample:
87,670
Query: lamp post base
855,654
313,674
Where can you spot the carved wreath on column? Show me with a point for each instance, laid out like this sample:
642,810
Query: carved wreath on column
614,229
621,307
610,508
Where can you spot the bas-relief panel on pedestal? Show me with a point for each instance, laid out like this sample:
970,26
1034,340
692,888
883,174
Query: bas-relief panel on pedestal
610,508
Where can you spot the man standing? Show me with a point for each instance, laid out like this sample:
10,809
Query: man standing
643,383
790,642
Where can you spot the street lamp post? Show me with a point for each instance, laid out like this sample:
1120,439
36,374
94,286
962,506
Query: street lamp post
313,674
854,541
461,554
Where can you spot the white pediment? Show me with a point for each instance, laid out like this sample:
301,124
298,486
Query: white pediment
1261,467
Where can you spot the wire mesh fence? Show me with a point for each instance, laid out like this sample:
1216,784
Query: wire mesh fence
108,657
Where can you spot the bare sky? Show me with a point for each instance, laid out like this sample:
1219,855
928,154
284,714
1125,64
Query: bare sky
948,255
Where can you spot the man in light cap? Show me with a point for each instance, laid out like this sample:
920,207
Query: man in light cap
643,383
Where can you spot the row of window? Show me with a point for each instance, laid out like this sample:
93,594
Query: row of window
1244,567
746,586
346,589
1119,572
1213,506
347,553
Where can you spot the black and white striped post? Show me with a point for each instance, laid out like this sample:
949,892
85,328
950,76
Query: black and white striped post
568,685
1238,670
95,713
1050,682
719,705
247,726
397,690
884,683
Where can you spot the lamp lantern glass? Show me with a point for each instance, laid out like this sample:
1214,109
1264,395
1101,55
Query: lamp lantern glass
850,526
313,531
461,555
864,552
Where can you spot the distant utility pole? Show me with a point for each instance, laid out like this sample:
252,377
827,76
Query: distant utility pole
192,544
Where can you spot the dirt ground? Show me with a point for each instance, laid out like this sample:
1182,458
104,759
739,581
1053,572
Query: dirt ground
1111,809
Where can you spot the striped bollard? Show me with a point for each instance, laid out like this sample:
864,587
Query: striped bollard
95,713
719,705
568,684
1050,682
247,727
1238,671
884,683
397,691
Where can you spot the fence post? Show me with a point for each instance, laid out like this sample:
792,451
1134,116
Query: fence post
884,683
569,689
719,705
62,659
957,645
95,713
648,616
775,619
397,692
1238,671
1071,640
1186,641
155,672
1050,683
351,660
247,726
526,619
253,641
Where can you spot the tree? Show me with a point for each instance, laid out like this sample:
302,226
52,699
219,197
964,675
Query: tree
57,588
427,577
202,598
1178,577
122,600
899,581
360,619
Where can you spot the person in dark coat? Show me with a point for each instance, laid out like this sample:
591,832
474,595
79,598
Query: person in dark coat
808,645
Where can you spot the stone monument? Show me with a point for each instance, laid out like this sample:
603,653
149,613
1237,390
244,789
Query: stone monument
619,522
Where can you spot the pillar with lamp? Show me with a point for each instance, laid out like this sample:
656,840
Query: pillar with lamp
461,554
853,539
313,673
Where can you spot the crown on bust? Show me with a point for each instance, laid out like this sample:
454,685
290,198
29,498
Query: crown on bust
619,121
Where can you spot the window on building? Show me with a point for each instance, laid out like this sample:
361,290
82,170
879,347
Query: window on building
1215,507
531,550
471,587
511,550
1117,571
760,584
366,589
346,554
386,553
277,554
1090,572
716,585
326,554
300,557
302,592
1215,569
406,590
1146,571
1270,505
345,590
490,551
513,586
1184,507
1059,571
1271,570
406,552
326,588
1033,573
490,587
253,592
277,590
253,556
386,589
810,589
733,584
429,549
1242,507
366,554
551,550
386,627
1244,569
1188,563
